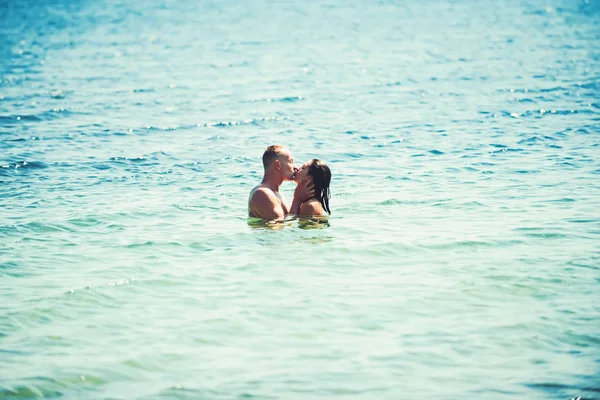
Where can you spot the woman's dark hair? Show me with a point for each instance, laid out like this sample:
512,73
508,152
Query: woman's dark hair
321,177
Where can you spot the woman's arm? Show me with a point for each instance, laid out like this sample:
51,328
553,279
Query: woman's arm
304,191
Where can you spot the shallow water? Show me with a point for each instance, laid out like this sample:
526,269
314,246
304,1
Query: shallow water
461,259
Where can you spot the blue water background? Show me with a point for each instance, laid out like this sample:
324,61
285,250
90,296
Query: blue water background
462,257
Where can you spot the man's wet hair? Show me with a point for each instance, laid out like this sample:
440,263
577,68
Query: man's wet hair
271,153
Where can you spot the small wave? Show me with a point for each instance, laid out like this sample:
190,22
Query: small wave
539,113
554,387
593,85
561,200
535,139
24,165
29,391
506,150
287,99
163,128
101,166
435,202
142,90
546,235
472,243
149,159
60,94
583,220
49,115
123,282
229,65
248,121
218,124
132,159
42,227
583,264
85,222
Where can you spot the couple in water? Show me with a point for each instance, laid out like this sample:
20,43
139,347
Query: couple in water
311,196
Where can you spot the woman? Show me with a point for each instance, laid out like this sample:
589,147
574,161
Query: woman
319,173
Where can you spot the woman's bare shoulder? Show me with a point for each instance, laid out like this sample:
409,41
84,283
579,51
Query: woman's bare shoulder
311,207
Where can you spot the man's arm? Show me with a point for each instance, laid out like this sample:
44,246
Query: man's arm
265,204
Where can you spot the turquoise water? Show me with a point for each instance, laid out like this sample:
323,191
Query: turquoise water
462,256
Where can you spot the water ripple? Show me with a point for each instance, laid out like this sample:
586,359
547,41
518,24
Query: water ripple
463,145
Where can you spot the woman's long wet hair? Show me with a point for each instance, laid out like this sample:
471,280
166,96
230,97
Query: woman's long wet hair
321,177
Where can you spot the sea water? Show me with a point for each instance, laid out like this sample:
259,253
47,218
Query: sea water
461,258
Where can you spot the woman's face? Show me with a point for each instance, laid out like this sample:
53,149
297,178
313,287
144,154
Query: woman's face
302,172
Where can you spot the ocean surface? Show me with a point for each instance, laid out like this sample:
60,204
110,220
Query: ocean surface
462,256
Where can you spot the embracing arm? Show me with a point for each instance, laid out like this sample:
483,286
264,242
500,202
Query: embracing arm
304,191
265,204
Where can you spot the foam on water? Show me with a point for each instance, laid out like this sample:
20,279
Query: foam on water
461,258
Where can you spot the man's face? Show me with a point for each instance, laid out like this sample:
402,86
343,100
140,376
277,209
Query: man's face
287,167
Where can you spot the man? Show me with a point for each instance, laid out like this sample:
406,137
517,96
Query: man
265,200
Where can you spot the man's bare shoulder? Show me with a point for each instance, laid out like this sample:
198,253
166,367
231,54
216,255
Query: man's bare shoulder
264,203
260,193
